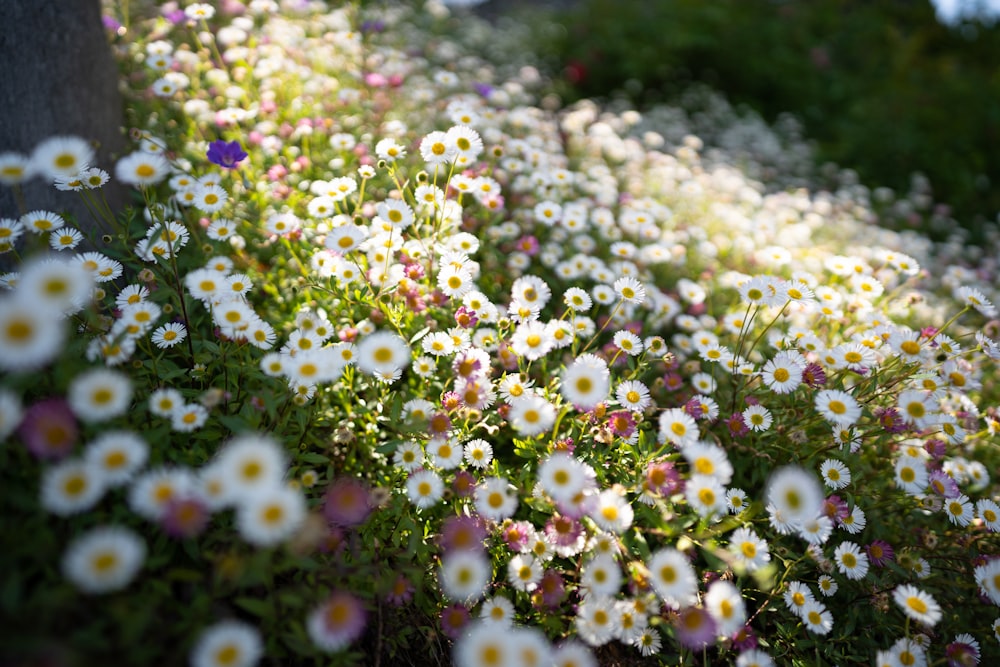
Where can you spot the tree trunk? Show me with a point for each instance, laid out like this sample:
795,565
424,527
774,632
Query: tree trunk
58,77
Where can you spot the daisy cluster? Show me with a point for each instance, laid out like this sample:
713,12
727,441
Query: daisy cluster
393,351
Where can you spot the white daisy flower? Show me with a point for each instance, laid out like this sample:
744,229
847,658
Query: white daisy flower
424,488
673,578
612,512
495,499
850,560
478,453
586,382
118,454
271,515
104,559
153,490
71,486
227,643
835,474
251,464
917,604
99,394
464,575
748,549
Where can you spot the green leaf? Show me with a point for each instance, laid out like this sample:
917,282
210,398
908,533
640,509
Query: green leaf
313,457
256,607
234,423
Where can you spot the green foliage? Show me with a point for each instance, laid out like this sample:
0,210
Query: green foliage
365,376
881,87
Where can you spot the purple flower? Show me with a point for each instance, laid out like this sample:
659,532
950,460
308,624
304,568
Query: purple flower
695,628
462,533
963,651
401,591
943,484
454,618
185,517
347,503
49,429
879,552
336,623
551,589
175,16
226,154
814,375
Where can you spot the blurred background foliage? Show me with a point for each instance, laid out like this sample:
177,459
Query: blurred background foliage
881,86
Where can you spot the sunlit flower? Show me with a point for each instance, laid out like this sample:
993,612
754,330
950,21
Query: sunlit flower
672,577
141,169
61,156
169,334
748,549
424,487
495,499
586,382
464,575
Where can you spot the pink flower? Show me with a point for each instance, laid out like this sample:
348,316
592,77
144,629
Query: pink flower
463,533
551,589
338,622
49,429
695,628
401,591
185,517
348,502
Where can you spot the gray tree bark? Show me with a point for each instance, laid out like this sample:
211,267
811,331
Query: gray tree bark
58,77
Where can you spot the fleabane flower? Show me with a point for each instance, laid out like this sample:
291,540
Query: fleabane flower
30,337
837,407
850,560
99,394
424,487
835,474
783,373
382,352
464,575
495,499
917,604
104,559
337,622
562,476
795,494
748,549
612,512
227,643
586,382
142,169
988,578
973,297
725,604
61,156
531,415
678,427
672,577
